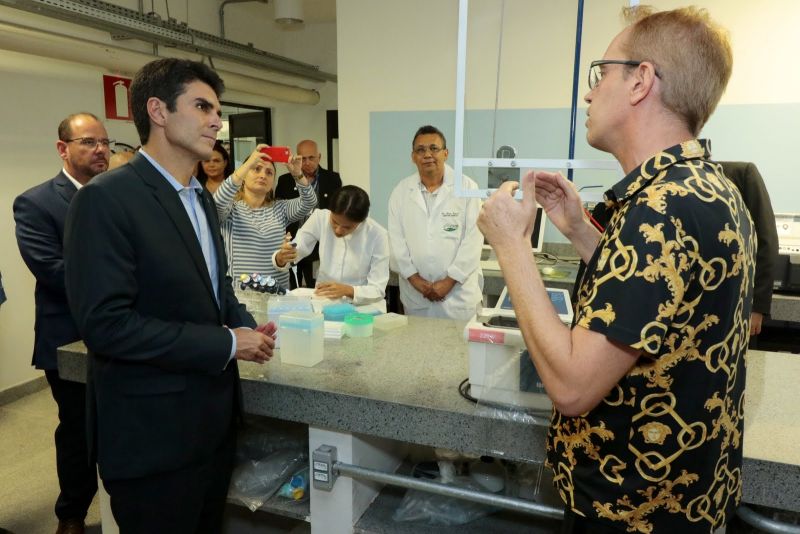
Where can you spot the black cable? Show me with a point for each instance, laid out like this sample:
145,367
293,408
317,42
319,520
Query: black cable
463,388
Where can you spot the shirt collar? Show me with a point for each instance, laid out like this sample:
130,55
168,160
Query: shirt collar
193,182
448,179
648,171
75,182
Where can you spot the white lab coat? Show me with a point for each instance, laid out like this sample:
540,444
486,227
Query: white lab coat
445,243
360,259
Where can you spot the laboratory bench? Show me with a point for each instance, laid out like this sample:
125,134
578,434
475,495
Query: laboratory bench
370,397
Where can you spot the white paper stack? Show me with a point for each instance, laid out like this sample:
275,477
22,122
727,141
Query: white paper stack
334,330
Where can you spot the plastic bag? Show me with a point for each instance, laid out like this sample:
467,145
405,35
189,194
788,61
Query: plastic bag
512,390
296,488
258,445
255,481
440,510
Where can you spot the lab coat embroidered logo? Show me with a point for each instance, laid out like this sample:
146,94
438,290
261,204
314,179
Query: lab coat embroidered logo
450,227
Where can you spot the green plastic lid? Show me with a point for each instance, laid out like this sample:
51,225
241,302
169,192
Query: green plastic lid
359,319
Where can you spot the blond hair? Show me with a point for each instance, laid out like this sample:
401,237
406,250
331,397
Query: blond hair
691,54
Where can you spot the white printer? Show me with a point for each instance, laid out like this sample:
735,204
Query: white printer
500,368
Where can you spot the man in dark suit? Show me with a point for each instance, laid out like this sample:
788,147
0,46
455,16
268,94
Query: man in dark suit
748,180
40,213
325,183
146,282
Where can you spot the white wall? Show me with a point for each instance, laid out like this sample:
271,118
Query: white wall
38,92
401,56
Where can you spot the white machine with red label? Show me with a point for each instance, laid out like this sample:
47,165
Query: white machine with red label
500,368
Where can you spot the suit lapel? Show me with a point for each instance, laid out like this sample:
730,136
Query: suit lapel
172,205
64,187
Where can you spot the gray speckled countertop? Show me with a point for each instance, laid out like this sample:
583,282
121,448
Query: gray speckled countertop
785,308
403,384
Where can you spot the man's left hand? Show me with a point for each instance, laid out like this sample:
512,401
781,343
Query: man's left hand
755,323
441,288
504,221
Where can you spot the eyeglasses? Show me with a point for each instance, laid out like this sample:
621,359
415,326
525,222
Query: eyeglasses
91,142
421,150
596,73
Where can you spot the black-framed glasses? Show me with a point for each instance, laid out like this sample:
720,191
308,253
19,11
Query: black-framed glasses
596,73
91,142
421,150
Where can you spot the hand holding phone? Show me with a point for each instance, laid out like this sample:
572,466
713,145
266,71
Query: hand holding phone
278,154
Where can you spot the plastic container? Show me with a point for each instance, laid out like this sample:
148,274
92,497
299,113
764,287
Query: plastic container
490,474
256,303
338,311
358,324
301,335
390,321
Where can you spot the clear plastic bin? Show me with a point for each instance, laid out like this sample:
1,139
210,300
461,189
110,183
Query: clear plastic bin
390,321
302,336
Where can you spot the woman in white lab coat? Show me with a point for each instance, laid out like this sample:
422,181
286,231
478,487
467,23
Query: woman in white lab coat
353,249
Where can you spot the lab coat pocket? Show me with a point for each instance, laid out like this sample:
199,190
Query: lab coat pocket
449,223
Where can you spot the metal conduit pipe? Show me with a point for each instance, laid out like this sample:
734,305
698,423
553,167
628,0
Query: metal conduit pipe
765,524
508,503
120,61
222,12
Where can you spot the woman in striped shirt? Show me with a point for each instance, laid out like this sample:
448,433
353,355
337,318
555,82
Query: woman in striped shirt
253,222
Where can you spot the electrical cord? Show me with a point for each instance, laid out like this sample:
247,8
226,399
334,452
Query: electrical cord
551,259
464,389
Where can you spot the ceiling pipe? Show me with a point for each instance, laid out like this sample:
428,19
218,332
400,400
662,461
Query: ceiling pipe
222,12
116,19
26,40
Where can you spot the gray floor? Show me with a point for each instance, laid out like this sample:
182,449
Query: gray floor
28,481
29,485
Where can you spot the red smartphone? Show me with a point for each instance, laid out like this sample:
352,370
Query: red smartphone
279,154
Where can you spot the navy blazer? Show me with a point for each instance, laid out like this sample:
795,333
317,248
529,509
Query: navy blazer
40,213
161,393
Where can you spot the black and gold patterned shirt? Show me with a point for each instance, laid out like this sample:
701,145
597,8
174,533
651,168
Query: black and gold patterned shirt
672,276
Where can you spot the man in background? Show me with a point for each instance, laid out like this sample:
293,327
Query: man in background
756,197
435,244
325,183
40,214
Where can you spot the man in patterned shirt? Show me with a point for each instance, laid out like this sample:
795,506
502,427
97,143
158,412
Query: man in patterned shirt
648,384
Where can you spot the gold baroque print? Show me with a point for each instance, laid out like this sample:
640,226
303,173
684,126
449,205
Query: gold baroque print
727,421
576,433
727,483
665,495
657,373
